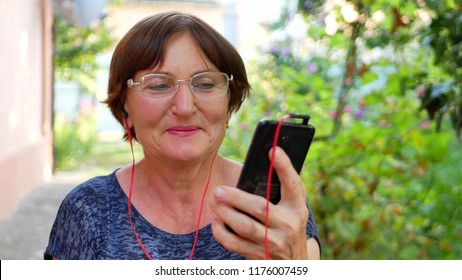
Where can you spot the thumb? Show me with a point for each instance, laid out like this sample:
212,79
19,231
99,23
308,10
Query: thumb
292,187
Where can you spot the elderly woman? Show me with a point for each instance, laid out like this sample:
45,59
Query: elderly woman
174,84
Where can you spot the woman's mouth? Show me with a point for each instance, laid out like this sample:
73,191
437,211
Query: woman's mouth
183,131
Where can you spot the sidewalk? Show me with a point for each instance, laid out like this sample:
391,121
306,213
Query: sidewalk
24,231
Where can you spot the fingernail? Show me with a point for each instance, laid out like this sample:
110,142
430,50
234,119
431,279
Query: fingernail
277,152
220,192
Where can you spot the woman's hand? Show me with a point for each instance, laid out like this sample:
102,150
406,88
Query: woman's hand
286,224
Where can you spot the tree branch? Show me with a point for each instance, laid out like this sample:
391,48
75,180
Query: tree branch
348,78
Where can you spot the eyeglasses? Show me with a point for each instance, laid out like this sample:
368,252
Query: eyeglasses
160,86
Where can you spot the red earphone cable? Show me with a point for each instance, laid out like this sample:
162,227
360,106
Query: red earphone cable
132,178
268,183
202,207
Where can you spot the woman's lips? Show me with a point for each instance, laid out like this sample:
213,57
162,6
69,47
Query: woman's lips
183,131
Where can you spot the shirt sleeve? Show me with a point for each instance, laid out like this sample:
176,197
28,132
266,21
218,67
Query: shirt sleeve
311,229
73,233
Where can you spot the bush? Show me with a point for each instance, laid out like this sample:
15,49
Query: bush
74,140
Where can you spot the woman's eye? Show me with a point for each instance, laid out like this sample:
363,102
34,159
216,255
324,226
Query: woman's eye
159,87
205,84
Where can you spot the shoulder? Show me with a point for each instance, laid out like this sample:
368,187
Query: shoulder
91,189
78,226
90,195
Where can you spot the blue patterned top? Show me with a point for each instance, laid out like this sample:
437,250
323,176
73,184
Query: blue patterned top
92,223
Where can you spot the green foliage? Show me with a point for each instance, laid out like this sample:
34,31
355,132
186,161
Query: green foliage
75,52
76,49
73,140
383,177
444,36
104,155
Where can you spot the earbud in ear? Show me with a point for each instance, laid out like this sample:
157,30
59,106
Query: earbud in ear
125,121
126,124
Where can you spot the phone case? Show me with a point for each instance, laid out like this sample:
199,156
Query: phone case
294,137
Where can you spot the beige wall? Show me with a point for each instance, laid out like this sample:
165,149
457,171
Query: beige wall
122,17
25,94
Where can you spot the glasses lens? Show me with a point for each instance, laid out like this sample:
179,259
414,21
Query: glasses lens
210,84
158,86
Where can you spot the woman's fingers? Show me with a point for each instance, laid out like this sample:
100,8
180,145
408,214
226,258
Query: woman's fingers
245,213
236,243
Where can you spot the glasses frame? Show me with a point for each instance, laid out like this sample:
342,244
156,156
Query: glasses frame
131,84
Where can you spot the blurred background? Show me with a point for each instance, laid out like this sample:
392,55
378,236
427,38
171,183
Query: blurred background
381,79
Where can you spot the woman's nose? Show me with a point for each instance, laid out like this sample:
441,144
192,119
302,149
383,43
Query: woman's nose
184,100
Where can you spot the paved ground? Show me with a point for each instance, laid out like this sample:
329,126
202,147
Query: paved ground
24,231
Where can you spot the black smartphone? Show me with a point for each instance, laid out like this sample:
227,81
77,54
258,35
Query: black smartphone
295,137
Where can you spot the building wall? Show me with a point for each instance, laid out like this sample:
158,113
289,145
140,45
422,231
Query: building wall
25,94
122,17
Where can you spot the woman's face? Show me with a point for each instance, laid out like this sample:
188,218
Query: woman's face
185,126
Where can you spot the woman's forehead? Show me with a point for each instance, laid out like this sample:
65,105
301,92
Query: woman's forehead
181,52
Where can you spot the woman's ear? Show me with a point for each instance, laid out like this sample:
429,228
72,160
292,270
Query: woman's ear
127,122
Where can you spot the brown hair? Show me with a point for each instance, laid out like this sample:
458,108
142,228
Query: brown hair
143,47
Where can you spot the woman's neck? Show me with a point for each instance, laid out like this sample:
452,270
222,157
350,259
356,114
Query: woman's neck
177,176
169,196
